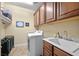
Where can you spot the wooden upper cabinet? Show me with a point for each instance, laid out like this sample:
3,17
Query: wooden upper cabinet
36,18
35,21
42,14
0,5
67,9
50,11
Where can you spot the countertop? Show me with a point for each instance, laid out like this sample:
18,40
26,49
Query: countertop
70,46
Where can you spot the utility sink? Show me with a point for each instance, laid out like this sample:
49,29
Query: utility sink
56,41
76,50
68,46
65,44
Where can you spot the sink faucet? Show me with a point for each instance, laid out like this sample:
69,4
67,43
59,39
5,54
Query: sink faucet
66,36
58,35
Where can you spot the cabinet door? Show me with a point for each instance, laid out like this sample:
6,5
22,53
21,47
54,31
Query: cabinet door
36,18
59,52
50,11
0,50
0,5
47,49
67,9
46,53
42,14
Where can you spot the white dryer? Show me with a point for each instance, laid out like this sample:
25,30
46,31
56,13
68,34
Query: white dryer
35,43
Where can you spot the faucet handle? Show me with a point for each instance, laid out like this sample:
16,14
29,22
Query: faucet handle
58,35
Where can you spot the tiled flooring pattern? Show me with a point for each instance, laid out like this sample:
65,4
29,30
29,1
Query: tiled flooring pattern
19,51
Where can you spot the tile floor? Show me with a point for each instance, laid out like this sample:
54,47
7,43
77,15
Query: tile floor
19,51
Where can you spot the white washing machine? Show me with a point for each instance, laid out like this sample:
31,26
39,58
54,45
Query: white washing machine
35,43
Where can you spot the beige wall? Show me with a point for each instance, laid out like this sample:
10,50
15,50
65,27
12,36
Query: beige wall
71,25
20,14
2,30
2,33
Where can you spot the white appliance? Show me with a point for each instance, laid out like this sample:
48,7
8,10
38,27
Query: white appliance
35,43
5,20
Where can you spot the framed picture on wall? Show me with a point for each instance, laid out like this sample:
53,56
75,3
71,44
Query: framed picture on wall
19,24
27,24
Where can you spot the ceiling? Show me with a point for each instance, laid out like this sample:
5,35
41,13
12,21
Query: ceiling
26,5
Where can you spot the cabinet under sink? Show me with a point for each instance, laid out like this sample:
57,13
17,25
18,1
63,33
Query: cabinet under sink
66,46
51,50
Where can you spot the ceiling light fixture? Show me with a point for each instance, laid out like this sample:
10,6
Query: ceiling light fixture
30,3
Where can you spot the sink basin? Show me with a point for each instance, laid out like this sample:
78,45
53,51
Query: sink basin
54,41
76,50
67,45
